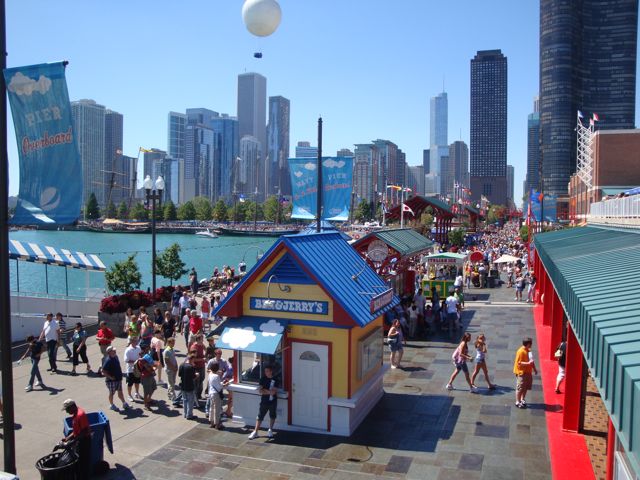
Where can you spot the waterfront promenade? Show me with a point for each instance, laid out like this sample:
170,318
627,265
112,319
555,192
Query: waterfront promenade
418,430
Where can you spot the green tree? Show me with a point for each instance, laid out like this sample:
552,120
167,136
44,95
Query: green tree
524,233
236,213
187,211
363,211
169,213
456,237
220,211
426,219
123,212
123,276
169,264
203,208
138,212
111,210
496,213
92,208
250,211
270,209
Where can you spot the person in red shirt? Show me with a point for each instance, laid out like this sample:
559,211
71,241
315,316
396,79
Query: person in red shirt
205,307
81,432
195,326
104,336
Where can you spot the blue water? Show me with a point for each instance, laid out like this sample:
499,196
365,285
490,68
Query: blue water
202,253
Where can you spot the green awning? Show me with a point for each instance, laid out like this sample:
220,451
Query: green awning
404,240
593,270
614,190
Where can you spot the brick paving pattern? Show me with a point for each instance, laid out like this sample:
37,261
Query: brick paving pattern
418,430
596,425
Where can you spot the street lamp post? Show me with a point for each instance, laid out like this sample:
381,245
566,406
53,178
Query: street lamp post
153,195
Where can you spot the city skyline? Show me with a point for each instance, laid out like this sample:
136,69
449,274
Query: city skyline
394,106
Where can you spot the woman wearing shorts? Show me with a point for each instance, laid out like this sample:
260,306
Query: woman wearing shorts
395,339
460,357
481,363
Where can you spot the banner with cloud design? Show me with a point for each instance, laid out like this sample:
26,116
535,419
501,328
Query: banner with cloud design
50,167
337,176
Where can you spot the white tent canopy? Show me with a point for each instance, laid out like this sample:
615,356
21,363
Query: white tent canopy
506,259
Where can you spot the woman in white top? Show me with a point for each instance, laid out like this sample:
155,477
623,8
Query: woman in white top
215,394
481,364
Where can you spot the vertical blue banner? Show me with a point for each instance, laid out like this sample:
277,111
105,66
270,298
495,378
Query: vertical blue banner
546,205
50,167
304,186
337,176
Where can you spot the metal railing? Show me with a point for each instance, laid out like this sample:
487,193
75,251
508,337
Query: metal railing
623,211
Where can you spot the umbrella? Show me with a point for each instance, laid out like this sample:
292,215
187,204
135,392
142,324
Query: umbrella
506,259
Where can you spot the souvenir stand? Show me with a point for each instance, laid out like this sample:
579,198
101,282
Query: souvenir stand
313,309
394,254
450,262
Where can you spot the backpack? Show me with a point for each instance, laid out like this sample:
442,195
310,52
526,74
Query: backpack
137,373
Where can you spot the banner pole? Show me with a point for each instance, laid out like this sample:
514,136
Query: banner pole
319,197
9,440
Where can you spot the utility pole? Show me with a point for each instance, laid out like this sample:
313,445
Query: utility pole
319,196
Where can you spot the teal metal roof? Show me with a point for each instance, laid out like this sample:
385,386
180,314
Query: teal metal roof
594,271
404,240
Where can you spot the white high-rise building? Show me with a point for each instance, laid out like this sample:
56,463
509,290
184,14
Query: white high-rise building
89,120
438,133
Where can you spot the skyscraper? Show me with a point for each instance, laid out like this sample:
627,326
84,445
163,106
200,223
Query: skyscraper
175,135
226,149
587,63
510,184
247,171
305,150
457,170
89,118
438,133
113,128
365,176
278,146
533,149
252,117
489,126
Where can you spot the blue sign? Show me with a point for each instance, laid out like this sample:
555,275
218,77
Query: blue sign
337,181
50,167
546,205
295,306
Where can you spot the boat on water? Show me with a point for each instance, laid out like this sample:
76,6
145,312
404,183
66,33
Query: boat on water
258,232
110,225
207,234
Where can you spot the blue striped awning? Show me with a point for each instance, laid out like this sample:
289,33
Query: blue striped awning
32,252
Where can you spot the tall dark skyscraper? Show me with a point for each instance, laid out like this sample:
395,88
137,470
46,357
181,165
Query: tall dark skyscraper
533,149
489,126
113,128
278,146
587,63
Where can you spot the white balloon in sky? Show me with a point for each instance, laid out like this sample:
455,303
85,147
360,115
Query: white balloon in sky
261,17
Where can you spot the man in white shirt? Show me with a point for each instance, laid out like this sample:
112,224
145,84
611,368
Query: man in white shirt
51,334
453,309
131,355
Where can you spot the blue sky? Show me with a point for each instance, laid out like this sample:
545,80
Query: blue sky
369,67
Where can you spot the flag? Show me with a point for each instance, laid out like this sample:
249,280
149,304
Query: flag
241,198
592,122
145,150
118,152
51,178
406,208
596,118
580,114
385,210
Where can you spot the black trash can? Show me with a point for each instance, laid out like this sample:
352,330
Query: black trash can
59,465
491,282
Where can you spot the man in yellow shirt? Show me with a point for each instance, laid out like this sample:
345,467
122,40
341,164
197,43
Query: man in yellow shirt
523,365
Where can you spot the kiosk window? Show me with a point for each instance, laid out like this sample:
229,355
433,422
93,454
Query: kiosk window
312,356
251,366
369,353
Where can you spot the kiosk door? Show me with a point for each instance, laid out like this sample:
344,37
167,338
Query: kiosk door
310,371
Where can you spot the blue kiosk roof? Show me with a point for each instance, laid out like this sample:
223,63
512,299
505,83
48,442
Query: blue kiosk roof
329,261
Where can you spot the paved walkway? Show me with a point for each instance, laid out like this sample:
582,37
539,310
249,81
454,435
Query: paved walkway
418,430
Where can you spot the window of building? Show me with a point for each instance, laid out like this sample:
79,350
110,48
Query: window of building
251,366
369,353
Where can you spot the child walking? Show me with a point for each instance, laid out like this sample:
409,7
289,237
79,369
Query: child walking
460,357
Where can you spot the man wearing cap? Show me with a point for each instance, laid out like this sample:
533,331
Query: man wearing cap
81,432
51,335
112,372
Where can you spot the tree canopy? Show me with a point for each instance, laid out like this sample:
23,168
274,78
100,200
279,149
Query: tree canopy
169,264
123,276
92,209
